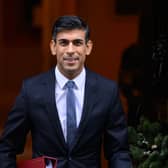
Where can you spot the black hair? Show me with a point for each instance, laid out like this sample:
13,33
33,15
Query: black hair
70,23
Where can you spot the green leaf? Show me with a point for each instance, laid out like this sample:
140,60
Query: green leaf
155,164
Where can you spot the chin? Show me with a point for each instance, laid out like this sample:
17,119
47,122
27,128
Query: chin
72,72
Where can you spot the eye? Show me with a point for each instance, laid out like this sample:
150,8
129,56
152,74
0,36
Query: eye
63,42
78,42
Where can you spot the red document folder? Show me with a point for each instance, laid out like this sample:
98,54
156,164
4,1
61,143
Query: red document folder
39,162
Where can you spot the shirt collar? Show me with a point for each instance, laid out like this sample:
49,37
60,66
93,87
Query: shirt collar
62,80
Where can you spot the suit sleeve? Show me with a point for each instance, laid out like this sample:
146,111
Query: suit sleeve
12,140
116,146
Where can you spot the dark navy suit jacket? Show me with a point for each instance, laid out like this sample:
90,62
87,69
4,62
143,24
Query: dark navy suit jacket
102,122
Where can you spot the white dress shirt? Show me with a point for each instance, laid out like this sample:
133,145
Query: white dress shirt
60,98
49,165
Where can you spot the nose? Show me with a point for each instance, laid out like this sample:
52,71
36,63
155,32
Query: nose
70,48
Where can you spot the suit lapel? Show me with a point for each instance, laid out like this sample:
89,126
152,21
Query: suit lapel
90,98
51,106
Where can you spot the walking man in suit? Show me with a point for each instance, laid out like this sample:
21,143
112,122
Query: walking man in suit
68,122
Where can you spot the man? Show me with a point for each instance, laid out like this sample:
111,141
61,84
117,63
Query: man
42,108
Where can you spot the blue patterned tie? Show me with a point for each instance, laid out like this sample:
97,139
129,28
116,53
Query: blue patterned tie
71,112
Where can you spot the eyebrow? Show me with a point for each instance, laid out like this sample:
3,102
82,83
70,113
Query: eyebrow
71,40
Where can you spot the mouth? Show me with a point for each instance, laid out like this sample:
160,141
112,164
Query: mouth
71,60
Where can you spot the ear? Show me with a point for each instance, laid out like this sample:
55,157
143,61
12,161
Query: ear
53,47
89,46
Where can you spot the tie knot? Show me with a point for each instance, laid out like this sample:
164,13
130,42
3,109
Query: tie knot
70,84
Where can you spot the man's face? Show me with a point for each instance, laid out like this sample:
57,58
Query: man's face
71,49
